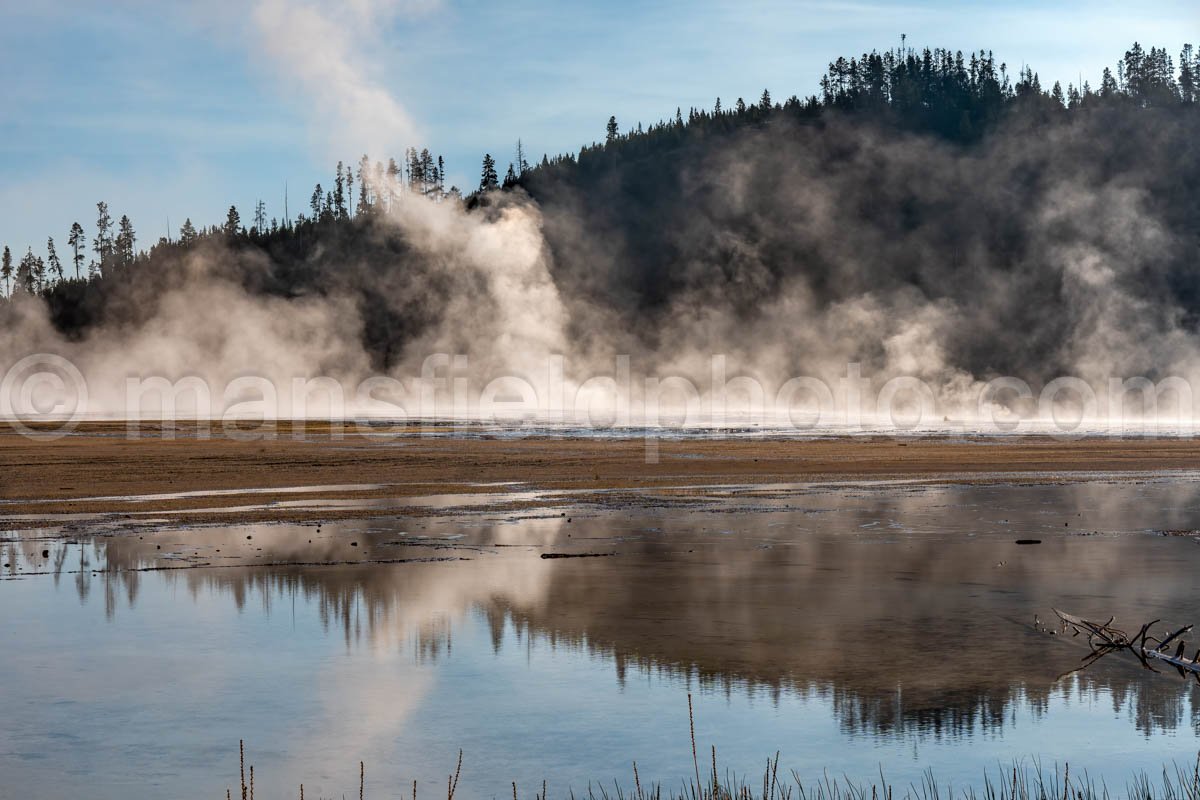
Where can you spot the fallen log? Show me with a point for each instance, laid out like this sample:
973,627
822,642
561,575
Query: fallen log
1104,639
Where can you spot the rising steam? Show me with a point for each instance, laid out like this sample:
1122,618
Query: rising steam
1053,247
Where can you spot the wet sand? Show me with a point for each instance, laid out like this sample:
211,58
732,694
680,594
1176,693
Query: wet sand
283,474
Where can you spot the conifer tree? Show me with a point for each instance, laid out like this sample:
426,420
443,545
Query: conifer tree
27,273
393,181
125,243
339,192
187,233
52,261
77,241
315,202
611,131
364,195
37,271
1189,81
233,222
6,270
1108,84
488,179
427,170
102,245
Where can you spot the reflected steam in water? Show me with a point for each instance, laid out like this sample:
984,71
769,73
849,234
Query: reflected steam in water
848,626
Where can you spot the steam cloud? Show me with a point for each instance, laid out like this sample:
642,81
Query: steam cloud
1060,247
319,47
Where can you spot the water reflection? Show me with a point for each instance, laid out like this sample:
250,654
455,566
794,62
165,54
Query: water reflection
905,611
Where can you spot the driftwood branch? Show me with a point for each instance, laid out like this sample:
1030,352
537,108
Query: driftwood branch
1104,639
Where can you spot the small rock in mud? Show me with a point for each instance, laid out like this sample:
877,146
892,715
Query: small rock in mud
1029,541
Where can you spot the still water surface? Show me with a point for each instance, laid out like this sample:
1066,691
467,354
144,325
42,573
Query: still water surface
849,627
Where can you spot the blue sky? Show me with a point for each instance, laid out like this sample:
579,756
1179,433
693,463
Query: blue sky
175,110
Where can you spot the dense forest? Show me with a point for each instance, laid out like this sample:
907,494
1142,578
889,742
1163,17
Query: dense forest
929,186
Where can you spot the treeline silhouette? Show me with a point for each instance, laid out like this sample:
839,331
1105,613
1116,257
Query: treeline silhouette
705,204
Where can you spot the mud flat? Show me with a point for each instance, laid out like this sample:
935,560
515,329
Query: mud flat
290,473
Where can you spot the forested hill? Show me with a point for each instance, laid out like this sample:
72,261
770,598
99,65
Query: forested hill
925,185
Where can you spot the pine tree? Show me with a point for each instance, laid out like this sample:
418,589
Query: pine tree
102,245
56,268
38,271
233,222
488,180
315,202
412,169
510,177
187,233
426,169
1196,78
1108,84
611,131
393,181
77,241
764,103
6,270
125,242
364,193
27,273
339,192
1188,79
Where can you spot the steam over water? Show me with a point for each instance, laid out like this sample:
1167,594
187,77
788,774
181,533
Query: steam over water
775,273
